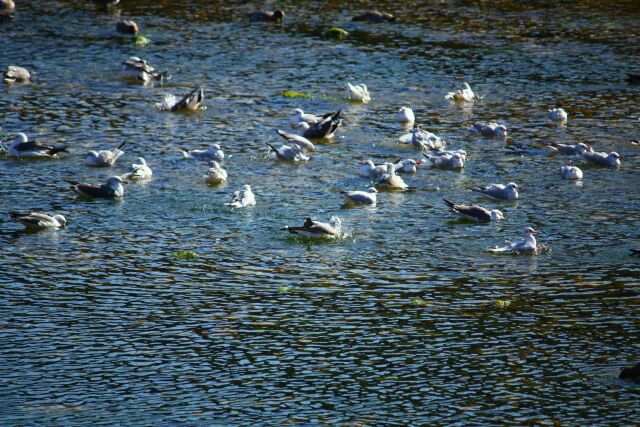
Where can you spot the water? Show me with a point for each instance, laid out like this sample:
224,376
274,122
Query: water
406,321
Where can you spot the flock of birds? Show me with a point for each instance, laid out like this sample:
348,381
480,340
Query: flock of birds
297,147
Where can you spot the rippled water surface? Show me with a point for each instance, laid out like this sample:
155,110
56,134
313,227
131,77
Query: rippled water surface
406,321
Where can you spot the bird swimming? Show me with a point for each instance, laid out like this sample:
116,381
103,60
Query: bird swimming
139,69
358,93
243,198
423,140
267,16
499,191
16,74
405,115
475,212
611,160
325,128
391,180
464,95
217,174
528,245
112,188
39,220
291,153
127,27
22,148
104,158
490,129
367,197
298,140
571,172
191,101
317,229
558,115
138,171
374,16
447,161
212,153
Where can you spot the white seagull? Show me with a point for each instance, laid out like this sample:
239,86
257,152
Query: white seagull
300,117
475,212
369,169
526,246
611,160
367,197
21,147
38,220
464,95
243,198
358,93
298,140
212,153
569,149
558,115
112,188
405,115
138,170
317,229
423,140
16,74
391,180
139,69
490,129
104,158
325,128
217,175
500,191
571,172
290,153
406,166
447,161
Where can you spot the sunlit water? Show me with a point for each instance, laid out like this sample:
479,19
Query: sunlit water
408,320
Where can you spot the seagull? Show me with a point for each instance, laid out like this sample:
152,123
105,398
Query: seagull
406,166
267,16
217,175
569,149
326,128
446,153
571,172
611,160
358,93
190,101
16,74
369,169
423,140
213,153
374,16
139,69
298,140
21,147
104,158
452,161
138,170
367,197
475,212
490,129
465,95
558,115
405,115
391,180
302,117
317,229
243,198
630,373
112,188
38,220
291,153
528,245
500,191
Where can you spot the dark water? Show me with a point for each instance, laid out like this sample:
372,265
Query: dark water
408,320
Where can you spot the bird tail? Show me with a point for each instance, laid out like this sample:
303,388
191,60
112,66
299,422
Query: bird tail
14,214
477,189
119,147
282,133
55,150
448,202
275,150
185,153
71,181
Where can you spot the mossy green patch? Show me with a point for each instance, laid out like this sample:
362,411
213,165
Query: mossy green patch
293,94
335,33
186,255
140,40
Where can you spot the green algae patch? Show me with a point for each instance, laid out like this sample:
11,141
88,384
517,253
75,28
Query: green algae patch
140,40
293,94
502,303
186,255
335,33
419,302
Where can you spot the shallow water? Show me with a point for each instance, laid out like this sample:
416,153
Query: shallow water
408,320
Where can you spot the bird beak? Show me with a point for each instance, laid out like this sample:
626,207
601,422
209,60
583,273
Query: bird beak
535,232
519,187
418,162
